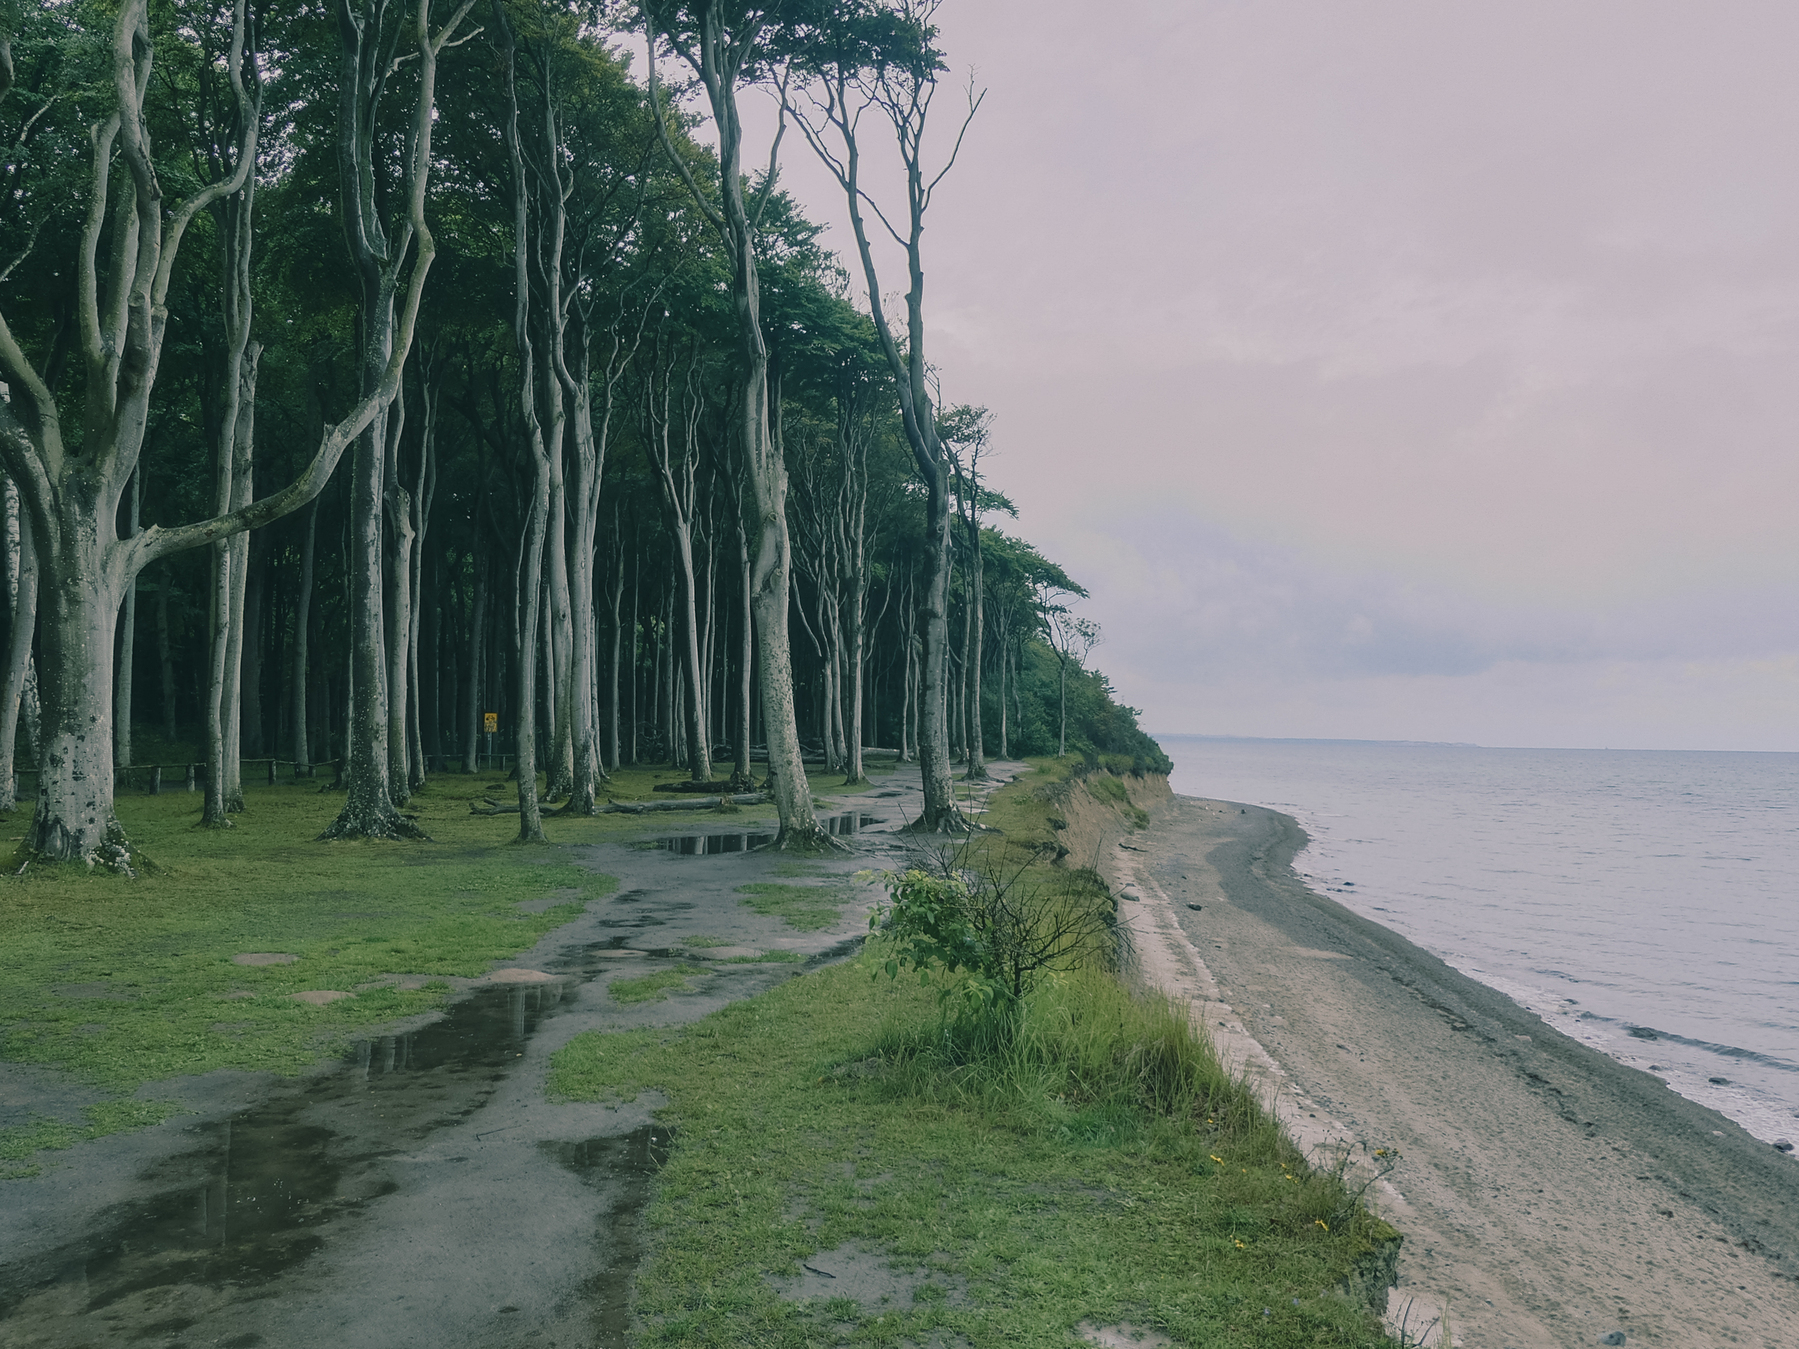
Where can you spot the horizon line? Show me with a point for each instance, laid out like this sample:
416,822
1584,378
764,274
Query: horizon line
1448,744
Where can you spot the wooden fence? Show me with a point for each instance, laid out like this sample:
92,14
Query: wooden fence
154,779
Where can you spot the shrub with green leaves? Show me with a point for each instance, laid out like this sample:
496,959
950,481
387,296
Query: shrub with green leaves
999,926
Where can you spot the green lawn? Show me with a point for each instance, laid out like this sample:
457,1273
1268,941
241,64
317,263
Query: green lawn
122,982
1097,1165
1033,1208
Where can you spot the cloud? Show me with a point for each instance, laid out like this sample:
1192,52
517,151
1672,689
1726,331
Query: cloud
1404,368
1186,598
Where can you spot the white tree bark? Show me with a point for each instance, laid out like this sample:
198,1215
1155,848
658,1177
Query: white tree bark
718,57
73,498
21,593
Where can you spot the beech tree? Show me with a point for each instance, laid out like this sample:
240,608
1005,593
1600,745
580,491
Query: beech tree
71,485
722,42
865,57
511,533
381,249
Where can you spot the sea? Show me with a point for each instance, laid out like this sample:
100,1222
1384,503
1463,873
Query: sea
1645,903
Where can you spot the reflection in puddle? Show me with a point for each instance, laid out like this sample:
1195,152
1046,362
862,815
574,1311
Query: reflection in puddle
625,1164
254,1198
697,845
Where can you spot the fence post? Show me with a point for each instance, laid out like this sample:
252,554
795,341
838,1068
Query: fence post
155,779
190,777
271,772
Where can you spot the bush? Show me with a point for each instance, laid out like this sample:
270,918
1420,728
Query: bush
1001,925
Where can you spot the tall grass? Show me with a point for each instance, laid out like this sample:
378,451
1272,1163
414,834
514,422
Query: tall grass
1082,1054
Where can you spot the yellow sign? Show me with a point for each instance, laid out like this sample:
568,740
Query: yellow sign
492,720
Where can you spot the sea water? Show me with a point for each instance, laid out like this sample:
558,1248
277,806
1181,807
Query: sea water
1643,902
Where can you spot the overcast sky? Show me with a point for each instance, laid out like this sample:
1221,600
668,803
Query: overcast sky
1393,370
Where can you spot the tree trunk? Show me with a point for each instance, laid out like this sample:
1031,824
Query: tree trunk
587,764
369,810
530,820
1005,649
79,596
560,770
243,450
224,791
230,556
742,778
418,505
21,584
127,644
165,654
977,751
636,654
477,628
719,65
618,639
1062,728
396,631
255,594
302,622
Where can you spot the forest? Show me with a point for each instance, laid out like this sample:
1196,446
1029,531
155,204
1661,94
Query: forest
396,389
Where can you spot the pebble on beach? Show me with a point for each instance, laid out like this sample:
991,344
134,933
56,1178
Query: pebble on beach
1616,1337
1196,907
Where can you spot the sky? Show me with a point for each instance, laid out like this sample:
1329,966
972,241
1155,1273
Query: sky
1394,370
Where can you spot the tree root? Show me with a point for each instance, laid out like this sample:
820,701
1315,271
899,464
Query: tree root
951,821
384,825
806,842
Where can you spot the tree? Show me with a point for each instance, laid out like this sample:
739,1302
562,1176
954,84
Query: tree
71,488
883,57
1073,639
379,251
722,42
966,431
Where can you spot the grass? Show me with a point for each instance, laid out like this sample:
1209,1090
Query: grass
1093,1163
805,908
766,958
19,1146
124,982
1044,1183
653,987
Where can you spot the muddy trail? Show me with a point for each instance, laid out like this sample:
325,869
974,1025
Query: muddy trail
424,1191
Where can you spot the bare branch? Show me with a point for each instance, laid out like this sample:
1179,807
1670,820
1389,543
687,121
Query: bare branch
974,105
25,252
774,151
88,301
28,465
154,543
668,144
249,110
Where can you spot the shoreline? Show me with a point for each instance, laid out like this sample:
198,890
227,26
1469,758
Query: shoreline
1549,1194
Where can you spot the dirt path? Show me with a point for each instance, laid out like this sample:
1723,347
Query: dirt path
423,1192
1549,1196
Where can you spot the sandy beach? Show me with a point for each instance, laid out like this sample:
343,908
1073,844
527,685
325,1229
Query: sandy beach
1549,1196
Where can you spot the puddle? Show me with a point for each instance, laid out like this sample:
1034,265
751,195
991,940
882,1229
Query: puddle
367,1205
624,1165
259,1194
701,845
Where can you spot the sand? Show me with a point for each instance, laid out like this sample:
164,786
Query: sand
1549,1196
